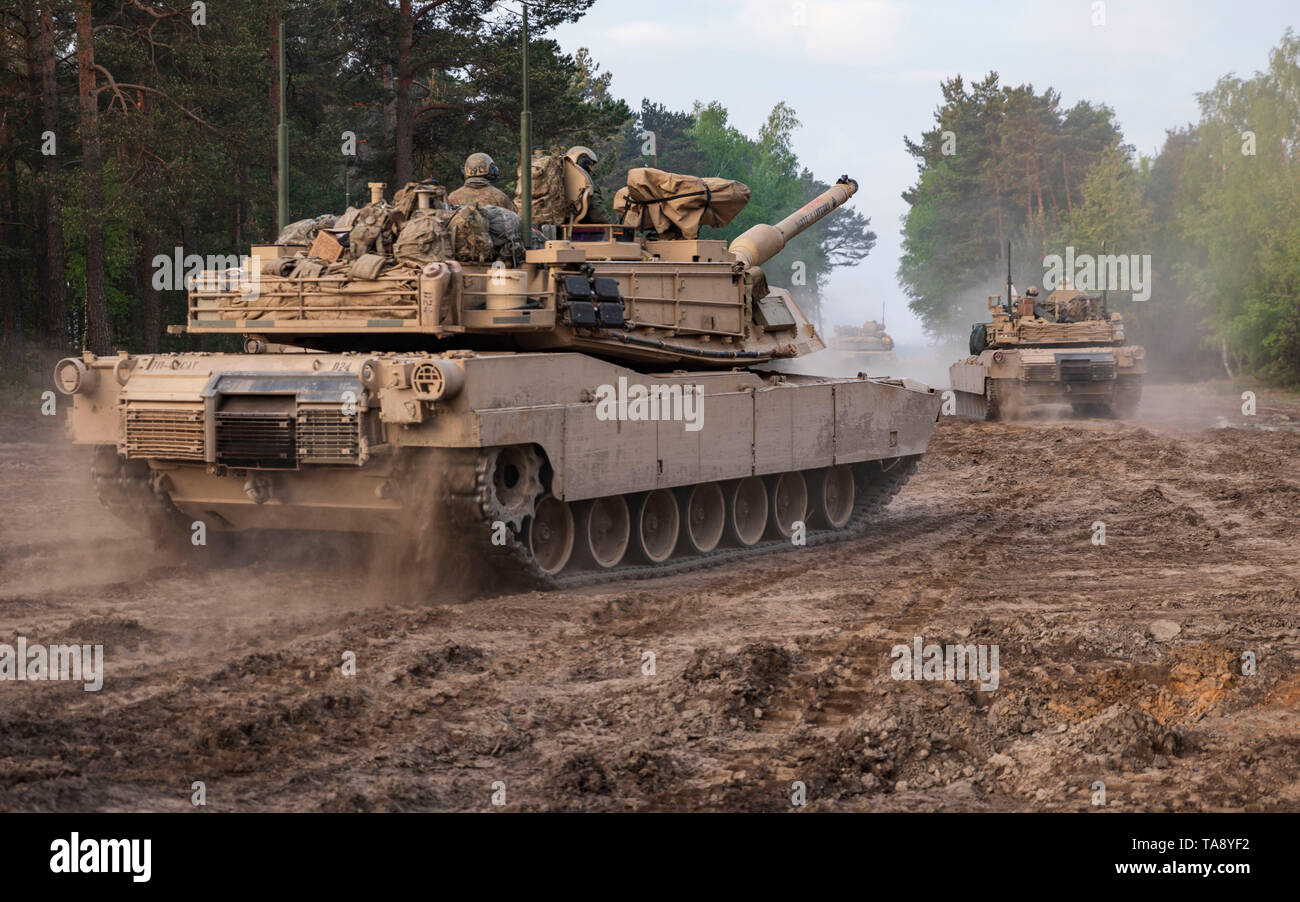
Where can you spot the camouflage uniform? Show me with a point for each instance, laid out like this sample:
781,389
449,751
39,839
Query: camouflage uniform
596,207
478,190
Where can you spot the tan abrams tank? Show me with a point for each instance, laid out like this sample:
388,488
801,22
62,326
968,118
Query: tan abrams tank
1062,350
599,410
867,347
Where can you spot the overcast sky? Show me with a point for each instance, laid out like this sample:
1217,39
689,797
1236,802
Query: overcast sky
861,74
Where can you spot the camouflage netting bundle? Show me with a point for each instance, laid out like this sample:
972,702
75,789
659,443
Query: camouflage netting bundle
377,295
369,286
1081,308
406,200
550,203
504,226
303,232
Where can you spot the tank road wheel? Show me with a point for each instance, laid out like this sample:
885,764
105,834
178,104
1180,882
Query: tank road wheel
704,509
550,535
833,497
746,511
657,525
513,483
605,530
788,503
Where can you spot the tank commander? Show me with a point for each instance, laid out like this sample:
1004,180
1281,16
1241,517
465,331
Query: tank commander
585,159
480,173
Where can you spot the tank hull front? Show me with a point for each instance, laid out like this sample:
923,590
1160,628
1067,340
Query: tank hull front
1000,384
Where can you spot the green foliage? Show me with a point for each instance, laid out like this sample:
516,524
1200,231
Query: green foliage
1113,212
1000,164
1240,214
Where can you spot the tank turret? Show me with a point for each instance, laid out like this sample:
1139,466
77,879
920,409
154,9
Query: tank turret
1063,318
613,289
865,348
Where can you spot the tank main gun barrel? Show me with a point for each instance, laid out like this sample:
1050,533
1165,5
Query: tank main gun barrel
763,242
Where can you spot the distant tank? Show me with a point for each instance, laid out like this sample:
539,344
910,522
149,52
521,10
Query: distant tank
867,347
1064,349
591,406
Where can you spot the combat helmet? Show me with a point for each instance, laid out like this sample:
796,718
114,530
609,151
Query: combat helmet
583,157
480,164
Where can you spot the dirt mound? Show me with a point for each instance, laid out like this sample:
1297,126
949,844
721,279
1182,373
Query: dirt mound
451,657
1123,738
742,682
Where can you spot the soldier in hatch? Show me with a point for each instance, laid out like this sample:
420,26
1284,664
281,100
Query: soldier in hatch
480,173
585,159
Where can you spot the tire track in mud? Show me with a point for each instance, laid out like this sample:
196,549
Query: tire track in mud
835,677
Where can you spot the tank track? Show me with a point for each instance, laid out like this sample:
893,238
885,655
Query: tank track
133,493
467,509
993,401
1127,397
448,525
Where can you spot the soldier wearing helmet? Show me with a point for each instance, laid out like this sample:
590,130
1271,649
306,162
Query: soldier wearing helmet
584,157
591,205
480,173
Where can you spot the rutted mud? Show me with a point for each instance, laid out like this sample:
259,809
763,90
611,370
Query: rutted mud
714,690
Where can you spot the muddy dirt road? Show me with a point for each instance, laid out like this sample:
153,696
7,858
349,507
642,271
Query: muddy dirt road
1119,663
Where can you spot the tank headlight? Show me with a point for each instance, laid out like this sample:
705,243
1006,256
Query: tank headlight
997,356
371,373
122,369
72,376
